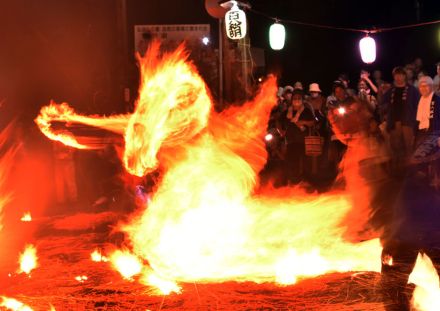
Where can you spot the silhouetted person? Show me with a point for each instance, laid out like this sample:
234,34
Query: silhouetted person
65,178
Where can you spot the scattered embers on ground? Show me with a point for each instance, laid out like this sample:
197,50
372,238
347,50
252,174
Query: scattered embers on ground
64,254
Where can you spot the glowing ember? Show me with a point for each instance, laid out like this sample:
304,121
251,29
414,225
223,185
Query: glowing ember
28,259
294,265
387,260
81,278
341,110
26,217
205,221
126,263
426,295
98,257
268,137
13,304
164,287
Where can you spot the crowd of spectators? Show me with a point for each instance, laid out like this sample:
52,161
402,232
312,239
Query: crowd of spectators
301,140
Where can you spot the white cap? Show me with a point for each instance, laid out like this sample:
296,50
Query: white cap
314,87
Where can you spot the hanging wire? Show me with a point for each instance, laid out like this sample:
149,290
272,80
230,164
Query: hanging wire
409,26
366,31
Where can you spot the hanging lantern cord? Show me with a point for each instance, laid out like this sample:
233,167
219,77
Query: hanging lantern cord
370,31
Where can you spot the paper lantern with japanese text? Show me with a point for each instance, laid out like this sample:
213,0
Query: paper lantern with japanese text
235,22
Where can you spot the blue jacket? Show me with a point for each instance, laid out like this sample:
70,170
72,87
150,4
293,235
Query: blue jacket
409,111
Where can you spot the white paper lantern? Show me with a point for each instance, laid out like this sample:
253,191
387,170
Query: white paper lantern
235,22
367,46
277,36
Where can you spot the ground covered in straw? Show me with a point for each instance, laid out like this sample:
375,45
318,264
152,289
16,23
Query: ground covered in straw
64,245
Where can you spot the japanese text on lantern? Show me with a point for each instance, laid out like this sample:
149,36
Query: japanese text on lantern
236,24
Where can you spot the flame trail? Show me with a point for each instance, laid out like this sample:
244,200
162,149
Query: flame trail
63,113
206,220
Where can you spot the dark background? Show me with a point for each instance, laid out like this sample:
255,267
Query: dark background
319,55
73,50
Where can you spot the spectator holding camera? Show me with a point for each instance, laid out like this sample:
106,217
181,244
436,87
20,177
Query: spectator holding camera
365,96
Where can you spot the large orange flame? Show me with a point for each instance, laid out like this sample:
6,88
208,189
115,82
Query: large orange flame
206,221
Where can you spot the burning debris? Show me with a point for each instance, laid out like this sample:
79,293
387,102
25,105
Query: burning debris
27,217
14,305
28,259
97,256
426,295
163,286
81,278
127,264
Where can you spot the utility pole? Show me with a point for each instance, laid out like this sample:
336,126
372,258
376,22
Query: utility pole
221,98
122,33
238,77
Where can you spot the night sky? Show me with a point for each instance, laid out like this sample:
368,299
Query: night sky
70,50
319,55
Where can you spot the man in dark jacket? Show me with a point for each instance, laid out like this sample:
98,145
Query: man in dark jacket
399,107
